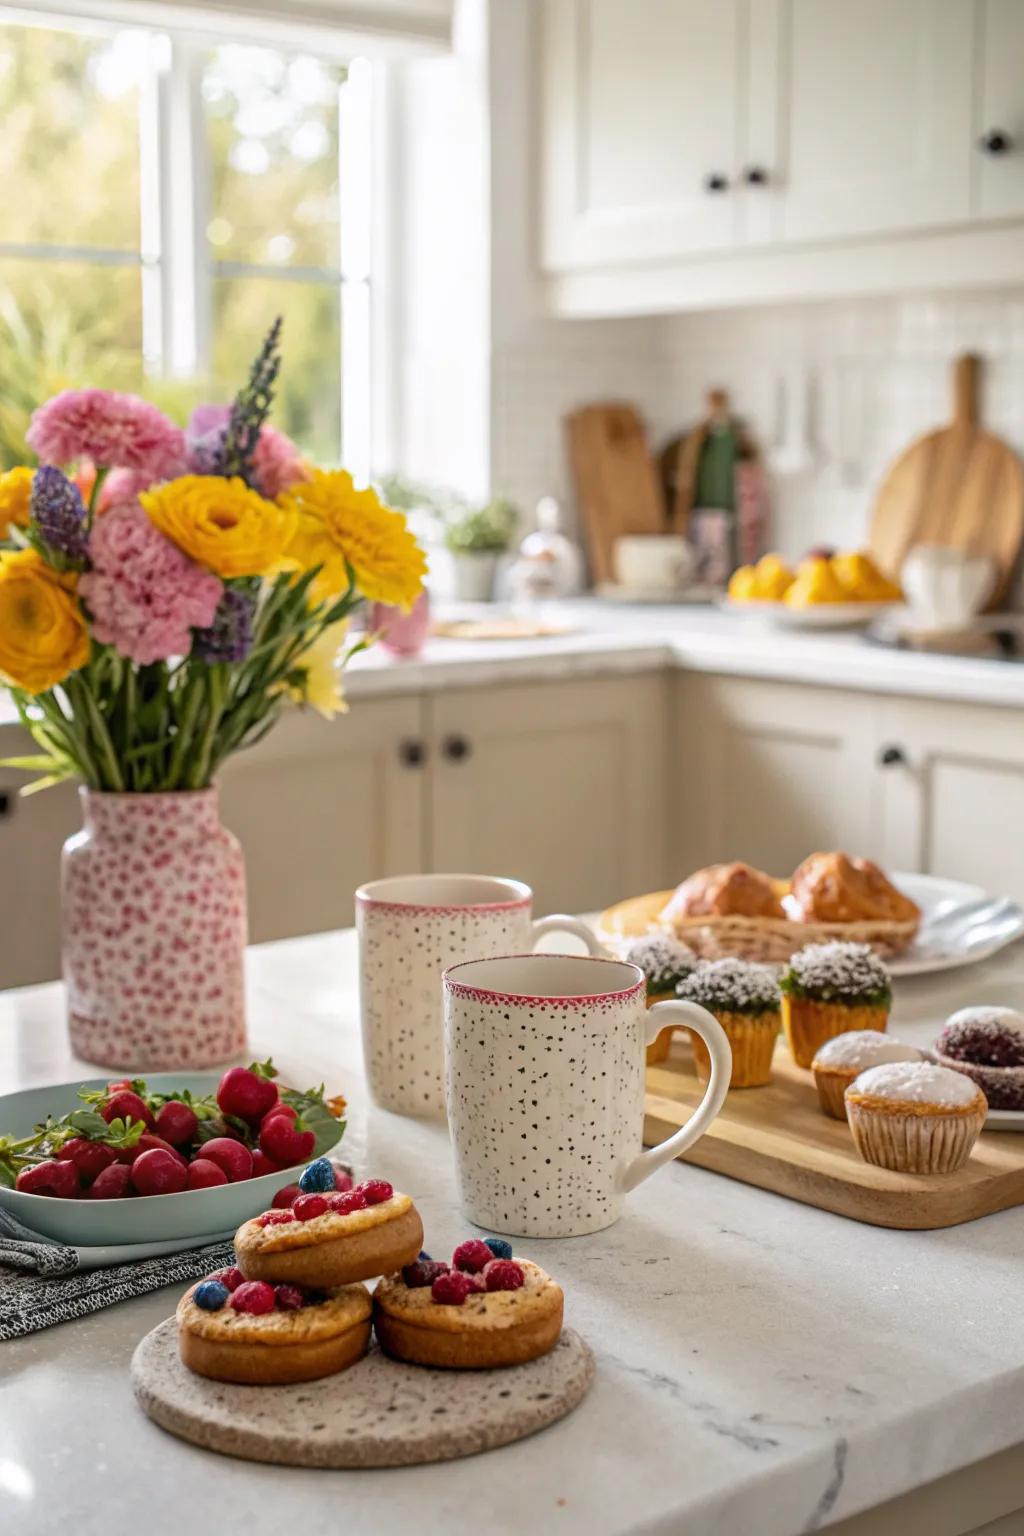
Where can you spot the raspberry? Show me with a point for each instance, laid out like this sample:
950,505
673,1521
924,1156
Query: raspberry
342,1179
471,1256
375,1191
232,1277
176,1123
254,1296
503,1275
308,1207
244,1093
317,1178
499,1247
202,1174
276,1218
289,1297
347,1202
423,1272
230,1156
285,1198
452,1289
210,1295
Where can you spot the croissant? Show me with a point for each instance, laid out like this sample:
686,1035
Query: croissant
833,888
724,890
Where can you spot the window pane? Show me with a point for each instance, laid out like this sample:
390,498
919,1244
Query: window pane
69,105
272,126
62,325
308,401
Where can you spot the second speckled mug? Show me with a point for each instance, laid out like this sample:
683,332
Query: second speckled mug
411,927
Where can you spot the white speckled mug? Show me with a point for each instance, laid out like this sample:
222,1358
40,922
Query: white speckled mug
544,1070
410,928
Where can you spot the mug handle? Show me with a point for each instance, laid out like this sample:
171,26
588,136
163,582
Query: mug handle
561,922
703,1023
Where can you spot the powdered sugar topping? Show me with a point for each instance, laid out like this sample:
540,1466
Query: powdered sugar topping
916,1082
839,970
731,984
861,1048
662,959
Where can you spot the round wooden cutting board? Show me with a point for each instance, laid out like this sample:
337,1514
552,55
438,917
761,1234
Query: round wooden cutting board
378,1413
959,488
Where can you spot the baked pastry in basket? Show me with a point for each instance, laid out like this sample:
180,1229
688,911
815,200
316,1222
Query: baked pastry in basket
833,888
725,890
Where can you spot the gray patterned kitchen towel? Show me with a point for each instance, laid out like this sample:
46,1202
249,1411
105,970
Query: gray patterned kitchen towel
43,1283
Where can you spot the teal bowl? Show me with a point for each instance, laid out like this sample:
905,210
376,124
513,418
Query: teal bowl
195,1214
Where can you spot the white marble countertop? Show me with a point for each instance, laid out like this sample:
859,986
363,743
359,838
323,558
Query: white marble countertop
763,1368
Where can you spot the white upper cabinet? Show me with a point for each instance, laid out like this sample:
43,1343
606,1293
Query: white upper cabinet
641,110
1000,124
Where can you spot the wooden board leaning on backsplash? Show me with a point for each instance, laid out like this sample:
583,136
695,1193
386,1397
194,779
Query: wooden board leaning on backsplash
616,480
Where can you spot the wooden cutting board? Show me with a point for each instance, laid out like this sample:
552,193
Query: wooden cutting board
616,480
959,487
778,1139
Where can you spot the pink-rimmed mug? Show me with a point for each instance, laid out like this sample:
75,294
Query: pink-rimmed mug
544,1073
411,927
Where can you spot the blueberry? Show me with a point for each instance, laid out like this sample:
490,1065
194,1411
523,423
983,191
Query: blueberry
211,1295
499,1247
424,1255
318,1178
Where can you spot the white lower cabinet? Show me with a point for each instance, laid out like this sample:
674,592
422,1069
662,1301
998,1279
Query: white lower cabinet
32,832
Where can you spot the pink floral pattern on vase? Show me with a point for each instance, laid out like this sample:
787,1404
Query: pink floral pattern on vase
154,932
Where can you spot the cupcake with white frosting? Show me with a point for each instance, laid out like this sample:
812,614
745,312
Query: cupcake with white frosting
829,989
845,1057
665,962
744,998
915,1117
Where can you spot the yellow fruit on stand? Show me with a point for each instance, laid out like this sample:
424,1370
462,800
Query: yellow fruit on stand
816,582
862,580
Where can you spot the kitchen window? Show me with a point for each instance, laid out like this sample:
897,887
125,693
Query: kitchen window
165,196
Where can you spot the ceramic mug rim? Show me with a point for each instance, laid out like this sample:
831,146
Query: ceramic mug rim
375,894
466,990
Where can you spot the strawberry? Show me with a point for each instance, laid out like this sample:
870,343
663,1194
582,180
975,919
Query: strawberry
246,1093
176,1123
158,1172
114,1183
230,1156
148,1142
54,1177
202,1174
285,1141
126,1105
262,1164
287,1110
89,1157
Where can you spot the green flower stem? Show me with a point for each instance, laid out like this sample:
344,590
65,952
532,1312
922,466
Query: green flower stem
94,495
193,694
216,688
106,757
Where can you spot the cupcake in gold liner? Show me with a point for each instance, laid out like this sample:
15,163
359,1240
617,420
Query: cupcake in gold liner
915,1117
665,962
744,998
829,989
845,1057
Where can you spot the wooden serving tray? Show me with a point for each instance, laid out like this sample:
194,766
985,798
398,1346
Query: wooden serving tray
778,1138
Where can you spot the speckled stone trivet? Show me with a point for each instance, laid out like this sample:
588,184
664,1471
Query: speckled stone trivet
378,1413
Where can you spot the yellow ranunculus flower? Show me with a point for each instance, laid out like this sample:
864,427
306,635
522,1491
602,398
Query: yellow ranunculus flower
15,495
321,688
42,631
221,523
336,523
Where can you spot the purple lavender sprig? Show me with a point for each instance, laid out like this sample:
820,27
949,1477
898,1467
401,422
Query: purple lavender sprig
250,410
229,637
57,518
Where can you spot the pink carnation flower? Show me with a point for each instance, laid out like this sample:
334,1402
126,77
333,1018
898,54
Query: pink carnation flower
111,430
121,488
144,595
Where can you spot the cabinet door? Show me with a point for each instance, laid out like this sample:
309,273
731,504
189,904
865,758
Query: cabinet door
559,784
953,792
32,833
1000,127
875,99
771,772
640,109
319,807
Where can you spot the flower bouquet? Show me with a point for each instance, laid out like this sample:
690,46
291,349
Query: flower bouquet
164,595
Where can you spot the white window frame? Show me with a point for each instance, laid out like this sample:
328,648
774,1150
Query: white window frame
177,266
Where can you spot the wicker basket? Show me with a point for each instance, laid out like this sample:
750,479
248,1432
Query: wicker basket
775,939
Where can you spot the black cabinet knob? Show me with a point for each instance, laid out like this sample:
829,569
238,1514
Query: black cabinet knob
892,757
716,182
456,749
995,142
755,176
412,753
6,804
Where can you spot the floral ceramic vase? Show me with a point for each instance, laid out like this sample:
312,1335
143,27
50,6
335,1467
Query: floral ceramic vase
154,931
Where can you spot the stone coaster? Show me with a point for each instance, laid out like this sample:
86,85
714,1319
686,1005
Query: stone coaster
379,1413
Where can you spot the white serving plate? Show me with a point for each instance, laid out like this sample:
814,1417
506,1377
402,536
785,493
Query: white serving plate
197,1216
962,925
103,1255
1005,1120
816,616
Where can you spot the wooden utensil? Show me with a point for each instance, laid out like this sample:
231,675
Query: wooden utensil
616,483
959,487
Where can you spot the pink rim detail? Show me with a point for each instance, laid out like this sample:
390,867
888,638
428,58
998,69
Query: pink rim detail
469,906
487,995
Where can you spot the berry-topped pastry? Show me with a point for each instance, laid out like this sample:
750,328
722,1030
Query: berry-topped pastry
987,1045
233,1329
484,1309
828,989
665,962
327,1239
744,998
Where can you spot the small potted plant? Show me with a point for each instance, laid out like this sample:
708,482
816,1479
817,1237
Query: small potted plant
476,537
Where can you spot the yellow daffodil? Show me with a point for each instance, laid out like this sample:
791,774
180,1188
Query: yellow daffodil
15,494
321,687
42,631
221,523
338,526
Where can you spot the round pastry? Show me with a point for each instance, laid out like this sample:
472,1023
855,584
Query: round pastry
473,1315
249,1331
987,1045
330,1240
665,962
724,890
744,998
828,989
833,888
915,1117
845,1057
